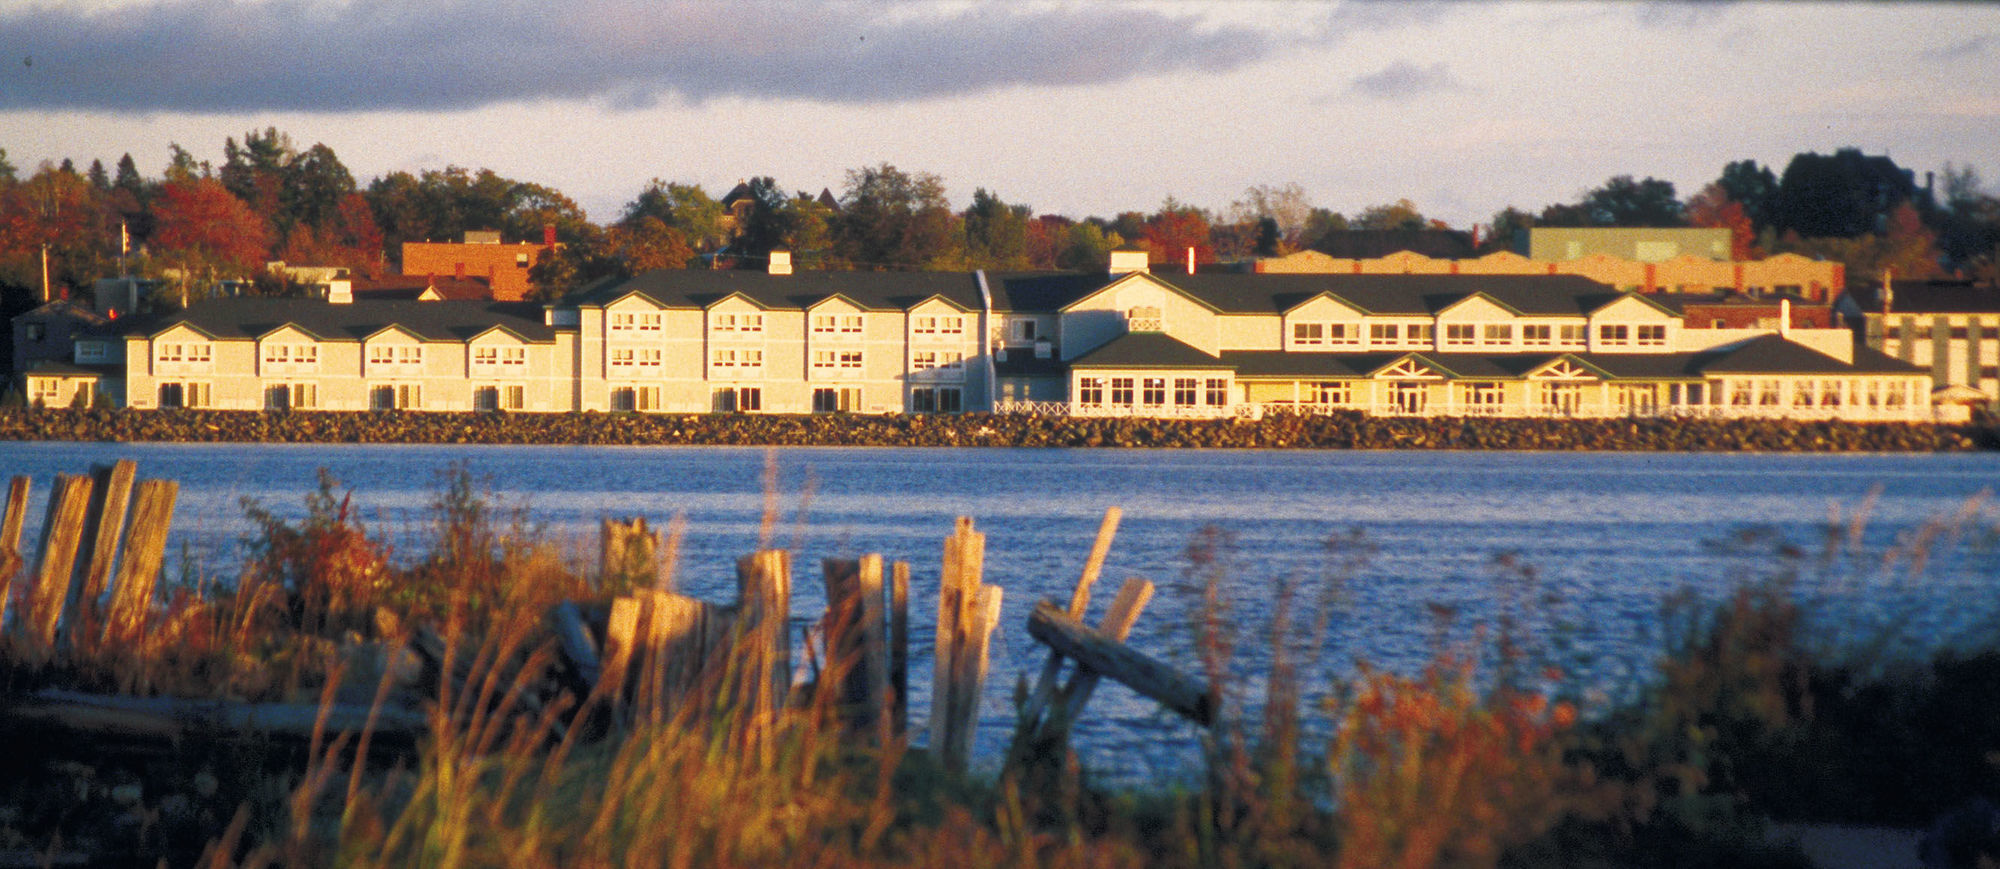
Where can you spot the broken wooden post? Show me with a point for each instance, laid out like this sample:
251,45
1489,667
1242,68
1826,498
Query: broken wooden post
104,527
628,554
856,646
1079,603
61,532
764,586
145,550
1178,692
968,611
11,558
899,647
1118,620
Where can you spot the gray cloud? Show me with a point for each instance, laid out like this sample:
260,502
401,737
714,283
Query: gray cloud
1403,80
1974,48
362,55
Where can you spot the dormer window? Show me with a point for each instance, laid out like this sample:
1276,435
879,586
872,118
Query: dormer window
1144,318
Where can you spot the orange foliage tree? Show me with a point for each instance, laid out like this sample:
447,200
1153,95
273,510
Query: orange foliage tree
203,226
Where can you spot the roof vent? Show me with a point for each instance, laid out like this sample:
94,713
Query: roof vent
1127,261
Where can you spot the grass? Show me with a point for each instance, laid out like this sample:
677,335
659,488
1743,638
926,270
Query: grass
1480,758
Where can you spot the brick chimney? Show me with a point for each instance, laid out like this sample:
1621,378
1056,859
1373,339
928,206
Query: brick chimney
548,235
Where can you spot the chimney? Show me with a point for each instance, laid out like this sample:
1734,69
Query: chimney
1190,259
340,291
1785,318
1128,261
460,271
781,262
1888,290
548,235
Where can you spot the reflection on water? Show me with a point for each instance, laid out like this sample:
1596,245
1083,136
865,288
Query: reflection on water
1606,536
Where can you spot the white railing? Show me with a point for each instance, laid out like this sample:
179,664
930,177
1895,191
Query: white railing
1853,413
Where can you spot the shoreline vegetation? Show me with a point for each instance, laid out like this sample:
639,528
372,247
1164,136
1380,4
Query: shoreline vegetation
1489,756
1320,431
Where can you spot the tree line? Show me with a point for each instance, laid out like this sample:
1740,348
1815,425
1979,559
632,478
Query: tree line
273,200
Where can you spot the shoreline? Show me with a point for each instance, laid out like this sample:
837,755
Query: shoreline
1352,430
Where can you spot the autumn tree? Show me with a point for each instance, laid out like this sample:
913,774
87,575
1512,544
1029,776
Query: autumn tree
890,219
349,238
1713,208
60,211
1089,247
646,244
1287,207
208,233
1047,235
1753,186
1399,215
1175,228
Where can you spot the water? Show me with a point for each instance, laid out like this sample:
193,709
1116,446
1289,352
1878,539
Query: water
1605,536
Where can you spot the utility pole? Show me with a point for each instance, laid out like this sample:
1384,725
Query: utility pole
45,275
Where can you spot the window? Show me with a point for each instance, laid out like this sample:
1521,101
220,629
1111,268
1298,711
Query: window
1739,393
922,360
744,360
1383,333
291,396
45,392
1330,392
395,354
90,351
1308,334
635,322
189,394
738,399
1560,398
935,324
1343,333
1419,333
740,323
1217,389
1614,335
938,399
1653,336
396,396
298,355
842,399
1537,336
1122,391
1459,334
1499,334
943,361
1186,391
1153,391
1481,396
1090,390
509,397
1768,392
836,324
38,332
1023,331
1570,335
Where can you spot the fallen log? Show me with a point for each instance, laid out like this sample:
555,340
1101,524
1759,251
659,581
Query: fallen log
1094,649
170,717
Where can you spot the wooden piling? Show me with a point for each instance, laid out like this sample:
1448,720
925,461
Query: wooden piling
968,611
856,645
61,533
145,550
11,559
1094,649
899,647
104,527
764,588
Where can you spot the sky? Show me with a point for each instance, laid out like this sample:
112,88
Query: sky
1075,108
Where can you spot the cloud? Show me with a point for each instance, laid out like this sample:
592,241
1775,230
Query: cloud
1404,80
1974,48
366,55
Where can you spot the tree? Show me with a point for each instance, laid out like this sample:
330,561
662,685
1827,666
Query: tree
808,231
647,244
203,228
1089,247
1287,207
99,178
1713,208
1175,228
683,207
1845,195
1625,202
1752,186
1507,223
255,173
349,238
890,219
313,186
996,234
1047,236
6,169
1400,215
128,178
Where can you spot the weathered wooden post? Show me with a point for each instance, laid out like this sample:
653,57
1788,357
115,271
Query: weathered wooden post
145,549
628,554
968,611
61,533
104,527
899,647
11,559
856,642
764,587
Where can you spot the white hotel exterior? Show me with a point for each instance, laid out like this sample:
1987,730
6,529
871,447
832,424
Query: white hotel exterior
1120,342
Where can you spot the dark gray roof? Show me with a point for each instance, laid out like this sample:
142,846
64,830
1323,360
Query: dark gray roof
56,368
1772,354
699,288
249,317
1931,297
1147,350
1414,295
1041,291
1022,362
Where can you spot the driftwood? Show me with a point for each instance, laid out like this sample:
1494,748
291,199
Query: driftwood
1100,652
169,718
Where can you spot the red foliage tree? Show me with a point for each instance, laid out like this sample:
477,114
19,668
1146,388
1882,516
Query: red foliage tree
201,224
1713,208
1172,230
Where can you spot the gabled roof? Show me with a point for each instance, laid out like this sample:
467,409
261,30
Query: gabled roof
1396,295
1772,354
700,288
1147,350
248,318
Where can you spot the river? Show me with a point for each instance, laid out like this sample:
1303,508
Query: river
1587,545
